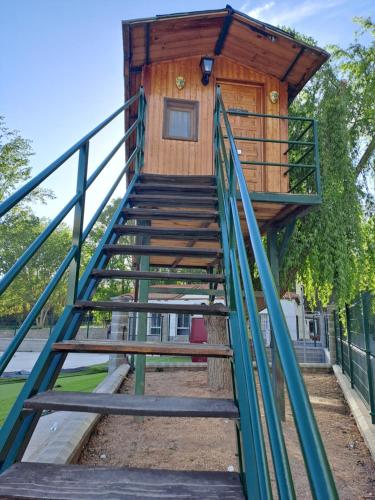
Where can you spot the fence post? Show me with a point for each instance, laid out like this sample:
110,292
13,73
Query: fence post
366,305
341,347
331,334
347,311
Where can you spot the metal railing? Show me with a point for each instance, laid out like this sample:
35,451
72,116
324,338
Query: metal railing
72,258
230,176
355,347
301,152
19,425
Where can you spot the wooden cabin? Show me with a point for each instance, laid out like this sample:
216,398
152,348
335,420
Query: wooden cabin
260,69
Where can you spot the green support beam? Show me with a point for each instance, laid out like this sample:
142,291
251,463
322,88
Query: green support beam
277,372
143,291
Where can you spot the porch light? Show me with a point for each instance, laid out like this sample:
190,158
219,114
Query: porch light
206,65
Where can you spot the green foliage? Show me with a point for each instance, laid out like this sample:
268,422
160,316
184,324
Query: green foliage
18,229
332,250
17,232
15,153
14,159
111,288
356,67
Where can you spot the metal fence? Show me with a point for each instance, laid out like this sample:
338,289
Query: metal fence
355,347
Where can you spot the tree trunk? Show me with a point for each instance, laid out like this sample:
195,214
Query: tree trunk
219,370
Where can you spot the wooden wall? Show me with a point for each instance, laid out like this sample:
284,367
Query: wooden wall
165,156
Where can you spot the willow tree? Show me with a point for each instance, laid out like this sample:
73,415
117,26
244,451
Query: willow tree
331,251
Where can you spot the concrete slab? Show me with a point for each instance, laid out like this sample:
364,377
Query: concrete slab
60,436
359,410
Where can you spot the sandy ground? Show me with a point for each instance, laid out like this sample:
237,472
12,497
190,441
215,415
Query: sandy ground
210,444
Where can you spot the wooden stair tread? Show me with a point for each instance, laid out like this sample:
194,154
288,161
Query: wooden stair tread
155,275
149,213
132,347
213,310
172,232
162,199
172,179
67,482
157,250
128,404
196,188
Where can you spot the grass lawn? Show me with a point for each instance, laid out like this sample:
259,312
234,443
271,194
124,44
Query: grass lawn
84,381
168,359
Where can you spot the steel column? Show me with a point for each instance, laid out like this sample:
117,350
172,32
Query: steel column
143,292
79,213
277,371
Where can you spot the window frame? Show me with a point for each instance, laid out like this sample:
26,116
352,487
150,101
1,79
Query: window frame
181,105
179,328
158,326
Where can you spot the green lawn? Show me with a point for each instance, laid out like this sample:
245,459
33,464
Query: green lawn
168,359
84,381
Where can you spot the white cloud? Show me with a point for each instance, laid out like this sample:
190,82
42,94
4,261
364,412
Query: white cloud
283,13
258,11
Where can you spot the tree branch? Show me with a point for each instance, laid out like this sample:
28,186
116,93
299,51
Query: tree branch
365,157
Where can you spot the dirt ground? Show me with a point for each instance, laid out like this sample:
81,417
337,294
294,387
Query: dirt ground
210,444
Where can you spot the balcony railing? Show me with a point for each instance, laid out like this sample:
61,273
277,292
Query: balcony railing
300,152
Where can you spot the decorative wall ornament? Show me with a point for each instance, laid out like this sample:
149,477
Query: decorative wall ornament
180,82
274,96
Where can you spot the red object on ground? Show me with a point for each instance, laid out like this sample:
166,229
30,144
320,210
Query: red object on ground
198,335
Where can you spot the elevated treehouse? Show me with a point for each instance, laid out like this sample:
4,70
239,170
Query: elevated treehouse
213,162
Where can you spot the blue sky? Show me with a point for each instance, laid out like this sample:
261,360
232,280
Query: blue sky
61,67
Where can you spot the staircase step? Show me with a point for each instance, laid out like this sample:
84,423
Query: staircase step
155,275
131,347
150,307
67,482
178,179
169,232
194,189
159,200
156,250
181,290
128,404
155,214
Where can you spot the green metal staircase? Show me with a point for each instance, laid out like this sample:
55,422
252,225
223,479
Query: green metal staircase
213,200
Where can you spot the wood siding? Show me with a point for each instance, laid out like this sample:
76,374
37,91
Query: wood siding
170,156
174,157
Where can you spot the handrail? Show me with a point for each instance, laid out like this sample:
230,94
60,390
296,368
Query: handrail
75,249
9,203
319,473
263,115
309,150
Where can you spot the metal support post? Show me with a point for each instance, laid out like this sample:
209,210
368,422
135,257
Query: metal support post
366,304
140,359
79,212
277,372
347,311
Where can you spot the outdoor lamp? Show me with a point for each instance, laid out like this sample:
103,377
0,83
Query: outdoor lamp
206,65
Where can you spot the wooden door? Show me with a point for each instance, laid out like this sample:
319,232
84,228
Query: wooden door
243,97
